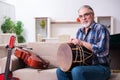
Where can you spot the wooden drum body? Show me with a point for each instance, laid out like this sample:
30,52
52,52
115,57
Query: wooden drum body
70,55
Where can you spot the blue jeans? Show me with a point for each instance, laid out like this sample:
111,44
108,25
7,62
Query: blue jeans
97,72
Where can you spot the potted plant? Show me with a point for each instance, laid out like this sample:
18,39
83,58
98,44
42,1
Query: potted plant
8,26
18,29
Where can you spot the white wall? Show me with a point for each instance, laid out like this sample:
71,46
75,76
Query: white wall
27,10
6,10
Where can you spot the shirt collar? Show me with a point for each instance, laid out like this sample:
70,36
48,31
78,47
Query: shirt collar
91,27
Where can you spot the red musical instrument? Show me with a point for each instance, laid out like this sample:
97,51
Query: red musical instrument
8,75
31,59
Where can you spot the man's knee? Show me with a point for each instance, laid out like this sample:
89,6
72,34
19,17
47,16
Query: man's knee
58,71
77,70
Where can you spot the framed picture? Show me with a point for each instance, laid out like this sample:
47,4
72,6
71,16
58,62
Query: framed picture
42,24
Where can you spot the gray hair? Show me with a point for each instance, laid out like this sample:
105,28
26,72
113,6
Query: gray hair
88,7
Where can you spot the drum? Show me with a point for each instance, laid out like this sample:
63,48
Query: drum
70,55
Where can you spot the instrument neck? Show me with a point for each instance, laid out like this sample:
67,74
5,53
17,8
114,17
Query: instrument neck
8,64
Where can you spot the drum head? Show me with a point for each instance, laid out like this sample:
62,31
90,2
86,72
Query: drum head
64,57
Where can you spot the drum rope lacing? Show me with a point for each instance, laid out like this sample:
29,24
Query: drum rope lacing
79,50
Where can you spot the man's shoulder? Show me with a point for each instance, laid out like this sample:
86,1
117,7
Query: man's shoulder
99,26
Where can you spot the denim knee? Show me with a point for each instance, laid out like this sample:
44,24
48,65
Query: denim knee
77,70
58,71
78,73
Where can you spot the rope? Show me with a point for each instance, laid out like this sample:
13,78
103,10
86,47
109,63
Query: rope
81,53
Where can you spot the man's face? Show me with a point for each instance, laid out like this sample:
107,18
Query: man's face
86,17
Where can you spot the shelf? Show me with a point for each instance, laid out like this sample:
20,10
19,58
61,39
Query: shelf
55,28
107,21
42,25
65,22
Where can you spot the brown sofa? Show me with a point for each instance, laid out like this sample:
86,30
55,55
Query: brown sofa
46,51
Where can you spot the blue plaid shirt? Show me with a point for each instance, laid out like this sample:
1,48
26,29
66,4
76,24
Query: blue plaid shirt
98,37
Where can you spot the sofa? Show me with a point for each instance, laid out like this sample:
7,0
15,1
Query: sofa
46,51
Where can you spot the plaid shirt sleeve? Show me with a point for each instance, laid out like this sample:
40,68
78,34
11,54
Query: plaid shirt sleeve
101,44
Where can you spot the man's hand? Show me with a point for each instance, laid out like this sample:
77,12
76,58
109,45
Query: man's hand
76,41
81,43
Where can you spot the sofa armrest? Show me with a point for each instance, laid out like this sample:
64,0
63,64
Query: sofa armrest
14,64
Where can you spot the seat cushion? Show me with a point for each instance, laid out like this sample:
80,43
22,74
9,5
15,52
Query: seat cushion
35,74
47,51
49,74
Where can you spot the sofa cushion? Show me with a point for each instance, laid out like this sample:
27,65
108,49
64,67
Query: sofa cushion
35,74
45,50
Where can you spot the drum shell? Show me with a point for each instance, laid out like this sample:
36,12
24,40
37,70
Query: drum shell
72,55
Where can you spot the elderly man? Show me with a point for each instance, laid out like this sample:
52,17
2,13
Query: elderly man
95,37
